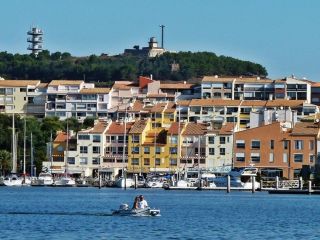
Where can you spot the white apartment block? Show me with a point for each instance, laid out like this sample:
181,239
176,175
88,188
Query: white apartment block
22,97
68,98
254,88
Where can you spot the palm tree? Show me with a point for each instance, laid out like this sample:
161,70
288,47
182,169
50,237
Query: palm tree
5,162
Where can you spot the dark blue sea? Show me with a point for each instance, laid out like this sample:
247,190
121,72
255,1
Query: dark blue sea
84,213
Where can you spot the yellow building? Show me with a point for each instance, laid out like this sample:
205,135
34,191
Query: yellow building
149,150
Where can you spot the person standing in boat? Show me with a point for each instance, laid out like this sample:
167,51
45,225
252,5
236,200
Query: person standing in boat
136,202
142,202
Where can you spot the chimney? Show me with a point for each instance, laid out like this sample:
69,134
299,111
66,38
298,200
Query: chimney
151,76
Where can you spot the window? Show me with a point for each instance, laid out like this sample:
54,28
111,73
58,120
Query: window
285,157
240,157
211,151
120,150
240,144
146,150
146,161
135,161
114,150
9,91
173,162
158,150
311,145
71,160
272,144
23,90
95,161
298,144
296,173
158,161
135,139
83,161
298,157
107,139
222,140
174,139
211,140
113,139
222,151
60,149
173,150
312,158
95,149
120,139
285,144
271,157
255,157
135,150
84,137
96,138
83,149
255,144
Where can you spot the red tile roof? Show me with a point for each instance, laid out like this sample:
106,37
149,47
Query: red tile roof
118,128
174,128
194,129
138,126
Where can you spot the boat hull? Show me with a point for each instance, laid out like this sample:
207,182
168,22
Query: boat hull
137,212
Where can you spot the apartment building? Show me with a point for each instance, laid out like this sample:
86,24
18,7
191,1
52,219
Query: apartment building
219,148
255,88
116,147
22,97
193,147
70,98
277,150
248,113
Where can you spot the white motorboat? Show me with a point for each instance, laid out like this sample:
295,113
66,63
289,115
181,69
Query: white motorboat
124,210
45,179
122,182
12,181
240,178
154,183
65,181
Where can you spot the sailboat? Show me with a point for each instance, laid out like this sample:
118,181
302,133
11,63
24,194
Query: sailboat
13,179
65,180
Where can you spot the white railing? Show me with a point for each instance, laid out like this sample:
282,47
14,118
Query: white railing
284,184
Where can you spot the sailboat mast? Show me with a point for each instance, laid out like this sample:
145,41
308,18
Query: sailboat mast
31,155
14,153
51,157
67,150
24,148
124,141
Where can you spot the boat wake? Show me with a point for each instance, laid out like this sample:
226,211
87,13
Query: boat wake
58,213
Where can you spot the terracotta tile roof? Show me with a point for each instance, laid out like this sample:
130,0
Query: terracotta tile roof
227,129
305,128
174,128
194,129
183,103
61,137
315,84
171,108
136,107
99,127
138,126
43,85
176,85
19,83
158,107
65,82
94,90
214,102
284,103
118,128
237,78
124,85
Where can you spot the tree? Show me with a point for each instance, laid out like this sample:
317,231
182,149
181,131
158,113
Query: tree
5,162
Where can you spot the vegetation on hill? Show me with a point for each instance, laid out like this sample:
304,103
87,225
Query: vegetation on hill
106,69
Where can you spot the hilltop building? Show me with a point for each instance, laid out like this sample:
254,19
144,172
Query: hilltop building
152,50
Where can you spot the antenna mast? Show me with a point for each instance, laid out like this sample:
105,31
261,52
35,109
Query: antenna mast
162,28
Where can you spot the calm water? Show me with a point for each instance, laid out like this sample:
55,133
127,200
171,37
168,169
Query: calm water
84,213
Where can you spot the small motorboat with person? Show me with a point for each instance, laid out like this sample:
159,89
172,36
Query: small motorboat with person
140,208
124,210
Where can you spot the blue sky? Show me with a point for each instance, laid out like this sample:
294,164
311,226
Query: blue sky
282,35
